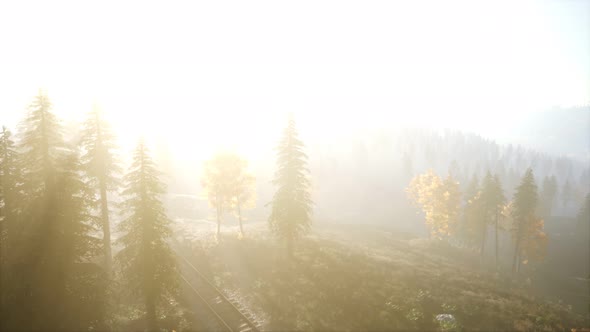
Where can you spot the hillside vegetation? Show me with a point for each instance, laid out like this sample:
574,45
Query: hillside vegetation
385,281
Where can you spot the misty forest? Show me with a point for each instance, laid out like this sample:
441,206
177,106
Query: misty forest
141,192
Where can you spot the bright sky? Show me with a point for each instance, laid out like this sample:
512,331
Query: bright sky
191,72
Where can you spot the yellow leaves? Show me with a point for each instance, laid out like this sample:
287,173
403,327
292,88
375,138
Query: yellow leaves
439,200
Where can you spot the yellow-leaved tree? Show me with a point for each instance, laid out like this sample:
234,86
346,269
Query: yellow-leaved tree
439,200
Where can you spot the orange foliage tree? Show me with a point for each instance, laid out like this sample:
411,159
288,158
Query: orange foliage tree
439,200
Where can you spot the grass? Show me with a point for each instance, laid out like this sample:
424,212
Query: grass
381,283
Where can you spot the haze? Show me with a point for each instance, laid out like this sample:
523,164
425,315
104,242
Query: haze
447,144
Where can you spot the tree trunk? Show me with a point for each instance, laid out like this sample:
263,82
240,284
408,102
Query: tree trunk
106,228
496,236
483,242
240,218
289,247
515,258
218,222
150,315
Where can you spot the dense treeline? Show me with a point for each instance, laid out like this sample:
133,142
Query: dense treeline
56,258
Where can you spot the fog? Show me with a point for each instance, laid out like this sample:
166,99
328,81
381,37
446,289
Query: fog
271,166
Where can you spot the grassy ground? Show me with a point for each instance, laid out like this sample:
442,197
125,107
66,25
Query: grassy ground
349,278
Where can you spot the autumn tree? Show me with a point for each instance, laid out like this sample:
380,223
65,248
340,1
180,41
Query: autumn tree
242,189
146,262
527,228
439,200
291,205
102,169
219,181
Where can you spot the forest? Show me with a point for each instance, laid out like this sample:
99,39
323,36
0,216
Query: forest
311,165
484,235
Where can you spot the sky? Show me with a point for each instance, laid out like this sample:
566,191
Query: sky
211,74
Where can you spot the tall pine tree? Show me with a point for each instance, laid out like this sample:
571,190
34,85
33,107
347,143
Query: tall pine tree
147,263
55,245
9,212
291,210
523,214
98,143
493,200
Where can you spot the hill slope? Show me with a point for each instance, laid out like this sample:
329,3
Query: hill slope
382,282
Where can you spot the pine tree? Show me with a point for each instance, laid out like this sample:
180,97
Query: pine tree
10,182
291,206
98,143
466,231
493,200
9,212
566,193
583,224
473,213
523,214
56,240
548,193
147,264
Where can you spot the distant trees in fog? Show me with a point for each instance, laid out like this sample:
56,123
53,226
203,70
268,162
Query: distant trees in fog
484,205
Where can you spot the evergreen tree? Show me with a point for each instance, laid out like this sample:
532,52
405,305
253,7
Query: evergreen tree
472,188
291,204
548,193
566,193
55,240
9,202
583,226
98,143
526,224
471,210
493,199
147,264
10,182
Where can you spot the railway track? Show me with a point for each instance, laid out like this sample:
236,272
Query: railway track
225,314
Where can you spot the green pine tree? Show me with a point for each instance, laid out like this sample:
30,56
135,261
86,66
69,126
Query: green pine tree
547,197
291,211
56,240
146,262
492,200
525,204
102,169
473,216
10,183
